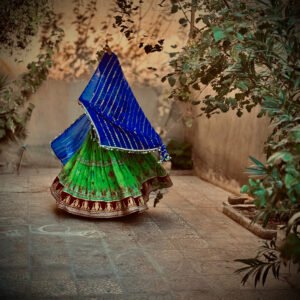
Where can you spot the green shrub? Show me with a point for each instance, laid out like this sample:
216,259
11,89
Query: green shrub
249,53
181,153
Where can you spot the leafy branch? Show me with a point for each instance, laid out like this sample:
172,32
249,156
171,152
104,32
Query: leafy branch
126,13
16,109
259,267
248,54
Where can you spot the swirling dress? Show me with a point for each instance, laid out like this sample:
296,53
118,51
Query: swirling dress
109,167
101,183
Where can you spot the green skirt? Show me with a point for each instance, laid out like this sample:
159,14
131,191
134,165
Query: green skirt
101,183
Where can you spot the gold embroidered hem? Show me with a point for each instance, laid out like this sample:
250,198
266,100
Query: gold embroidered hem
107,209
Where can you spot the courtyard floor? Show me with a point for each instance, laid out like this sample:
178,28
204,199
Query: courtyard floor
182,249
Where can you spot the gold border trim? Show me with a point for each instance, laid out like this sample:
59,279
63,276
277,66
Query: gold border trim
101,209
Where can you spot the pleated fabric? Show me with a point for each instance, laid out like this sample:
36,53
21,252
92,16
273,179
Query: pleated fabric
97,182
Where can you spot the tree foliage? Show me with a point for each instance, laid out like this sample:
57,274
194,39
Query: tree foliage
20,21
272,255
267,261
125,12
15,108
248,53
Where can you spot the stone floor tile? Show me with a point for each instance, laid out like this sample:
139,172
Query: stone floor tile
14,289
44,273
279,294
195,295
171,226
49,258
41,289
171,262
189,243
186,283
179,233
14,246
144,283
13,232
43,218
214,267
99,286
182,249
166,215
114,245
92,271
133,262
223,243
236,294
206,254
272,284
13,220
152,242
222,282
144,296
147,228
143,217
11,274
91,264
40,242
86,249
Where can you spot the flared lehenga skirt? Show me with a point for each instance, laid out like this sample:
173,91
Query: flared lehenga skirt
101,183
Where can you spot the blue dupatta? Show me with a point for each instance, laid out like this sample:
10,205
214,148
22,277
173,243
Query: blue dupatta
112,109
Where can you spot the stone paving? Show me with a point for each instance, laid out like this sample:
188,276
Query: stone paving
182,249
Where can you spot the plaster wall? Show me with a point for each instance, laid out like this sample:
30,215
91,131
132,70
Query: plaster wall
222,145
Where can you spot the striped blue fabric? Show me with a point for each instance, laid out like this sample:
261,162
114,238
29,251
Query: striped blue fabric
65,145
115,113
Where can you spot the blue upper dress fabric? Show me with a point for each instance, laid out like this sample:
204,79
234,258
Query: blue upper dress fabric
112,109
